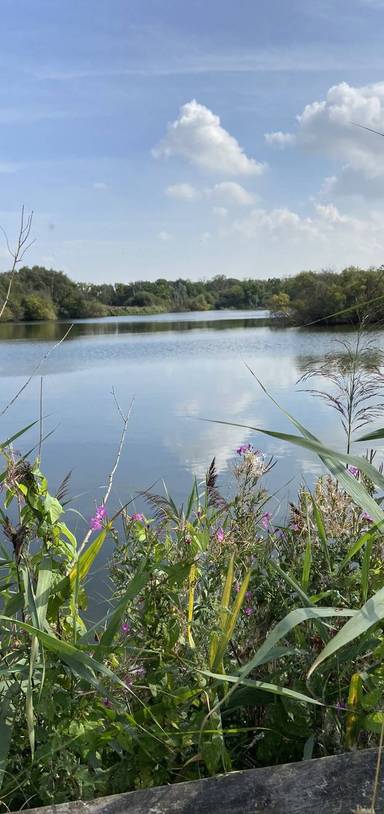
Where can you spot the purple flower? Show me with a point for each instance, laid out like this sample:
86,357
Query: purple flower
96,522
341,705
248,611
295,526
243,449
265,520
367,517
220,535
125,628
248,595
107,703
354,471
137,517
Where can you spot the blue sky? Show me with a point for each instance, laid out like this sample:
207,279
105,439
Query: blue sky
166,138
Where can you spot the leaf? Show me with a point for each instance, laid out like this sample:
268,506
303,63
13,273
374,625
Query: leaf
275,689
79,662
321,532
284,627
365,569
87,558
363,619
372,436
7,716
136,585
53,508
357,545
191,599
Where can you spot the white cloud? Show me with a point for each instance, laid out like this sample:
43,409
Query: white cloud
198,137
164,236
100,185
280,139
183,192
329,127
229,192
220,211
325,238
205,237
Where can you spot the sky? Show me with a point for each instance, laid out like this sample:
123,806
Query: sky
189,138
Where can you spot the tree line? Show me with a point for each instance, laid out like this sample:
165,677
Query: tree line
44,294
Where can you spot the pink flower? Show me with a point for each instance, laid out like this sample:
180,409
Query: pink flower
220,535
248,595
367,517
137,517
354,471
125,628
265,520
96,522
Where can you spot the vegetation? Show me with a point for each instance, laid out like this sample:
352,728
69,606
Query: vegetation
233,639
41,294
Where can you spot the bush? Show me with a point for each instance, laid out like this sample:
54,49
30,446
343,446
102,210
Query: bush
38,308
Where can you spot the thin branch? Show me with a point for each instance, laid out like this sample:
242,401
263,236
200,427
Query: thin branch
125,420
22,245
35,369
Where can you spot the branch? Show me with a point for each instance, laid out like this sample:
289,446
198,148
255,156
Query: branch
22,245
35,369
125,420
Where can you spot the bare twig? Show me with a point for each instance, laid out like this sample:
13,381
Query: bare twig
17,253
35,369
125,420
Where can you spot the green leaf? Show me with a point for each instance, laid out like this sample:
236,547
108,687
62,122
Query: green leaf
53,508
357,545
275,689
79,662
136,585
7,716
87,558
371,613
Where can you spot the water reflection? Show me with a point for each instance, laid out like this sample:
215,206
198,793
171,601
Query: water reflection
53,331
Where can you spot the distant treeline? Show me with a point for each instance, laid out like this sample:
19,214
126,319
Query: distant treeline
42,294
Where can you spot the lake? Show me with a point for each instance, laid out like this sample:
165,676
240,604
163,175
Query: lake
180,368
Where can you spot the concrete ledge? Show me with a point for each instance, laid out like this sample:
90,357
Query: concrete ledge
330,785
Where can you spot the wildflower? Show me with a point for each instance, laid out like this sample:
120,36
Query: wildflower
248,611
137,517
96,522
220,535
341,705
244,449
367,517
295,527
125,628
248,595
265,520
354,471
237,586
107,703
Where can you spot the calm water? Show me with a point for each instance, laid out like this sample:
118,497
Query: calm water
180,368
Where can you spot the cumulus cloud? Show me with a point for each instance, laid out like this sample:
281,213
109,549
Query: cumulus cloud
198,136
230,192
280,139
329,127
326,237
183,192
